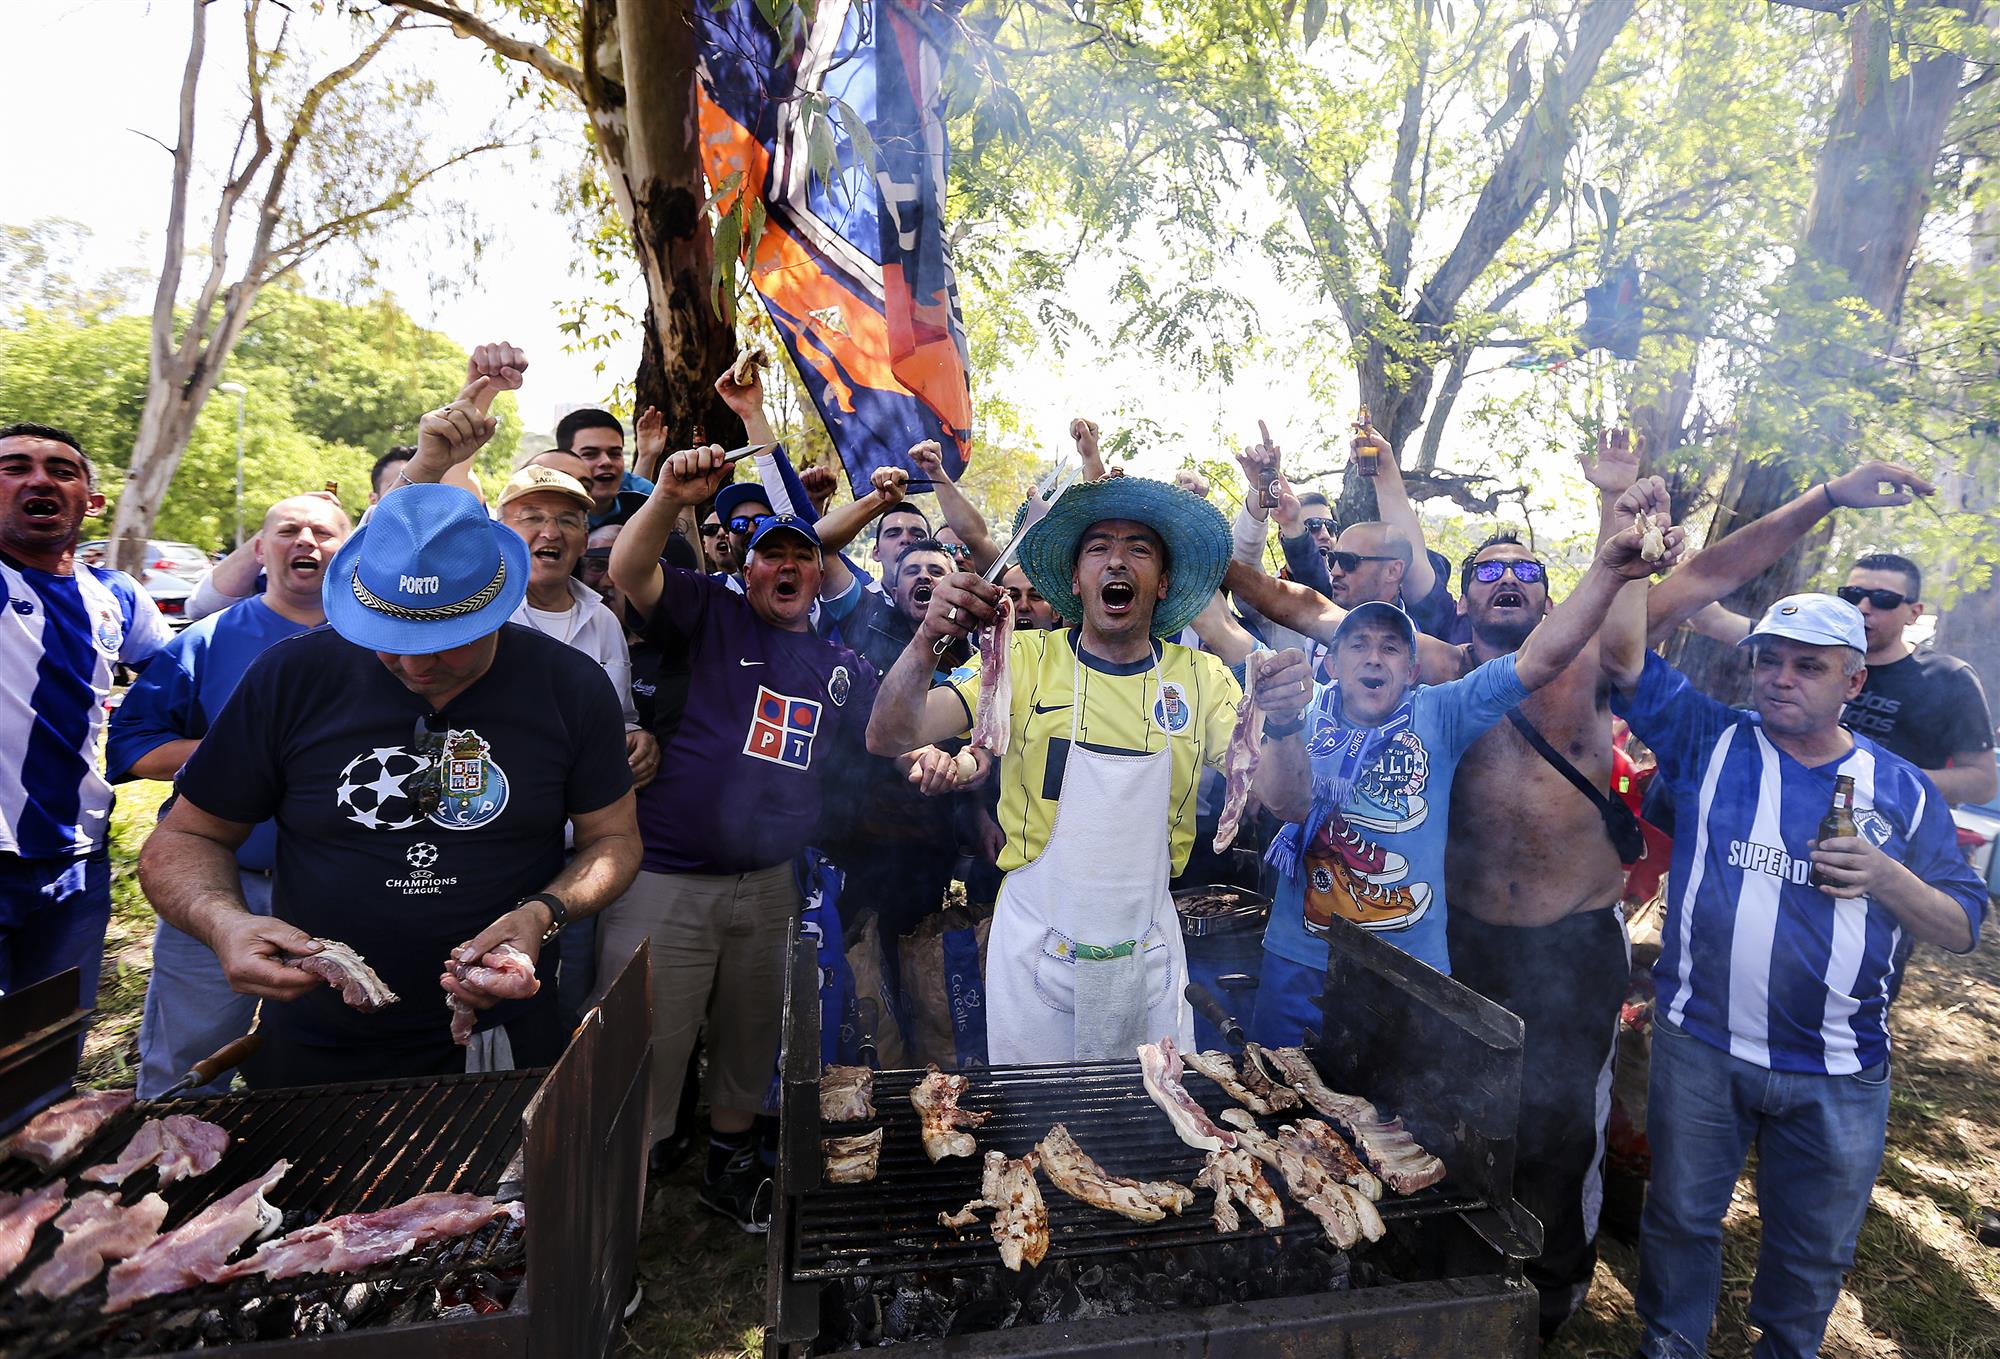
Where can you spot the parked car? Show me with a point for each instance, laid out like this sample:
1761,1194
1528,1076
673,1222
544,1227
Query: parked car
172,569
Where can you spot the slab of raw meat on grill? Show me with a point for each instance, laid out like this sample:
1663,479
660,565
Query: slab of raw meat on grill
852,1160
1219,1068
936,1100
97,1229
195,1251
991,728
1239,764
358,1240
53,1135
846,1094
20,1215
1160,1069
1236,1174
1071,1170
505,972
1020,1218
1342,1213
1387,1147
346,972
181,1145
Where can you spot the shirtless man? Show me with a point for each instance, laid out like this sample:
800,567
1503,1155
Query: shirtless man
1530,869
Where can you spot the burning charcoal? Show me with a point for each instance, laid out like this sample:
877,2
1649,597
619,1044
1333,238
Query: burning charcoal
214,1329
459,1312
984,1314
351,1303
318,1318
1160,1290
914,1314
420,1305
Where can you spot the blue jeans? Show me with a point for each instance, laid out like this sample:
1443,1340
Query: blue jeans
190,1010
1819,1144
1287,1003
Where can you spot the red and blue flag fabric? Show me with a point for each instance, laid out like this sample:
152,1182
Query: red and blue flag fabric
851,263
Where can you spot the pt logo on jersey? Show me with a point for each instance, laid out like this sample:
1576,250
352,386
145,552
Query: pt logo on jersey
1171,713
782,729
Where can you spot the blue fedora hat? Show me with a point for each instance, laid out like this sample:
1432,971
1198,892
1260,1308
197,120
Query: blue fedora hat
429,571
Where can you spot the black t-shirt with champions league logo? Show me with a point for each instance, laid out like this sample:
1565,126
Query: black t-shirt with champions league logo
322,738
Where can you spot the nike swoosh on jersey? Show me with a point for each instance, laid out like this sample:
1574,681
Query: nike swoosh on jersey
741,661
1051,708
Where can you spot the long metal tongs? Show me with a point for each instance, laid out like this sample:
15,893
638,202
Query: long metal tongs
1047,491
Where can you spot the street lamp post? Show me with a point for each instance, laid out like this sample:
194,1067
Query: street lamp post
239,391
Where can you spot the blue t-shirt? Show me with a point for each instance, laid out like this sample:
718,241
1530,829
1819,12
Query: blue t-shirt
60,637
403,831
1754,959
185,686
1378,859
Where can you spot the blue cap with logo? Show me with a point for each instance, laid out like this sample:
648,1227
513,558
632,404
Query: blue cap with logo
784,523
1819,620
429,571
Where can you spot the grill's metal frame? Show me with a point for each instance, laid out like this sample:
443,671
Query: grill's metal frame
1417,1043
582,1133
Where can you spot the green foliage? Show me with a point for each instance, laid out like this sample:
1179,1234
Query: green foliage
331,386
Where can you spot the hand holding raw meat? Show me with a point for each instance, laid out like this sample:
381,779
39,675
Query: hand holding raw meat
503,973
259,955
961,602
1282,687
1239,765
990,730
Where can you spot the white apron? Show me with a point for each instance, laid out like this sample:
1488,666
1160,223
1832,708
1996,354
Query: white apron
1085,959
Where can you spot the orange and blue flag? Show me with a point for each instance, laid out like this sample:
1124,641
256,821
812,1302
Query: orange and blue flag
852,263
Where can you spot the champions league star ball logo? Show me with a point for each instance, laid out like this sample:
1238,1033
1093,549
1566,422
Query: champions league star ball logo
377,789
421,855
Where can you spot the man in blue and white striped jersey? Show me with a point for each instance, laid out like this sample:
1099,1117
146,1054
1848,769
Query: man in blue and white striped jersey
1773,991
63,627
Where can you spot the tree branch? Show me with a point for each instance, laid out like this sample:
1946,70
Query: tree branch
468,24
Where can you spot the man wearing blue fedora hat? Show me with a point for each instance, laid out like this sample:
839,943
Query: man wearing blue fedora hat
421,757
1108,731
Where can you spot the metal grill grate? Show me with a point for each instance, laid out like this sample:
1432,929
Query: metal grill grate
353,1148
890,1224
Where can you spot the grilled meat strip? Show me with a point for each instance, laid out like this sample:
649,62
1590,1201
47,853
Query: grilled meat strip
846,1094
20,1216
1342,1213
53,1135
1338,1158
1071,1170
936,1100
194,1252
852,1160
96,1228
356,1240
992,728
1239,764
1236,1174
344,970
1020,1218
1160,1069
1218,1068
181,1145
1388,1148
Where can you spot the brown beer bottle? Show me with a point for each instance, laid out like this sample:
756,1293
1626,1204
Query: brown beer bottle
1838,822
333,488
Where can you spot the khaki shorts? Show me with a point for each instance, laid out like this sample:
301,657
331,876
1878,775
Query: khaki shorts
718,957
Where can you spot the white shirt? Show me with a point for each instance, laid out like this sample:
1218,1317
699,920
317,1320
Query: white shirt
590,627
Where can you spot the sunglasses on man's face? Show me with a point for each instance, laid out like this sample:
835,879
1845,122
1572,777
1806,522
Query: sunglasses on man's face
710,530
1527,572
743,523
1881,599
1350,562
956,551
1319,525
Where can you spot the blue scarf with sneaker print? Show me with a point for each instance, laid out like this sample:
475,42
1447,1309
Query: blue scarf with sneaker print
1340,755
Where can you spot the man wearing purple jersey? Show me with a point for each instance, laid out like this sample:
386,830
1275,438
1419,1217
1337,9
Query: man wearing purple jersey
766,707
1773,977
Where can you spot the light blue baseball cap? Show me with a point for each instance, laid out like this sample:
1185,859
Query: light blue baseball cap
1818,620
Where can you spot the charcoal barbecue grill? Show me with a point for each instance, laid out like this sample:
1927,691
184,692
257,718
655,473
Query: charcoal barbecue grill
571,1137
1446,1279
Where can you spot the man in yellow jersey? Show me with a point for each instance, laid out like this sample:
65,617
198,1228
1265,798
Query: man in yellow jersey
1109,729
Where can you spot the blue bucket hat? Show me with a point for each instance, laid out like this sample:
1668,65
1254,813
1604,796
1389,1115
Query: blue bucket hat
429,571
1194,531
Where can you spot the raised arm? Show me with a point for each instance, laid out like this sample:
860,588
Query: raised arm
1221,633
842,524
1393,507
1282,693
1718,570
909,712
1564,633
1309,612
1084,431
961,514
686,478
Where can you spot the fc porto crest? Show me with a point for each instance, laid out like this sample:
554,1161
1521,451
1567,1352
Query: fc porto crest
473,789
1171,713
839,685
109,633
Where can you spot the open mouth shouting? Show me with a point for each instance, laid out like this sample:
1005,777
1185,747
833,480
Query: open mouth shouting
1508,597
1118,597
42,509
920,594
306,566
1371,682
786,590
551,553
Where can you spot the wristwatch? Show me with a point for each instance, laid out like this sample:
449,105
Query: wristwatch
558,912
